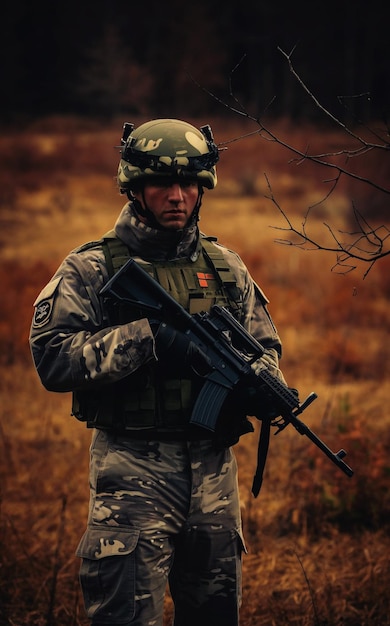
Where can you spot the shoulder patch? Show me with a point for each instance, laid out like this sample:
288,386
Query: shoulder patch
44,303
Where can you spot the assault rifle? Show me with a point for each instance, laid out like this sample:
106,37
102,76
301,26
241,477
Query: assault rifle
230,350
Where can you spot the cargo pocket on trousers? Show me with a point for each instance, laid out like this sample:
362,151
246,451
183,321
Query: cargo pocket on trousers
107,572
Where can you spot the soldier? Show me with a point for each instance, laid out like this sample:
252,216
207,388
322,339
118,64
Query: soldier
164,504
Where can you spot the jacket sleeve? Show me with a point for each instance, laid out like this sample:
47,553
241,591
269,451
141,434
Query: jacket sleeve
255,316
72,344
263,329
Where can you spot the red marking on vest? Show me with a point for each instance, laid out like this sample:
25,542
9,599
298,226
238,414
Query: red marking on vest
203,278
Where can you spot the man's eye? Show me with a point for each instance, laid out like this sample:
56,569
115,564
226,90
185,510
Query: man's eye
188,183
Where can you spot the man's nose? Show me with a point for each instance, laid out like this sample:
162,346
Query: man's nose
175,193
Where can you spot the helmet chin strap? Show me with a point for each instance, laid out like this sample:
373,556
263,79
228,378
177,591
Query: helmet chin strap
195,213
146,214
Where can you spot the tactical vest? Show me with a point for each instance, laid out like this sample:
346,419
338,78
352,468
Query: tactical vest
158,398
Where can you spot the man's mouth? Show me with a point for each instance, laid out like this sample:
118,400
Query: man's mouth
174,213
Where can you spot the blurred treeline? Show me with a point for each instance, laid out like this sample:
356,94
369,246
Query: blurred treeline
107,58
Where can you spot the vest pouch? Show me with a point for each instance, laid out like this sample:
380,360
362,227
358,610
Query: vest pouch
129,402
177,401
137,408
141,400
94,407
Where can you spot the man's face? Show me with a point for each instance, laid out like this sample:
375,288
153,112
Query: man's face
171,202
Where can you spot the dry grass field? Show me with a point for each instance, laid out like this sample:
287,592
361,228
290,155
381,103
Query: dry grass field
318,542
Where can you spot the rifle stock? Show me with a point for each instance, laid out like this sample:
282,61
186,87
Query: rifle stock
230,349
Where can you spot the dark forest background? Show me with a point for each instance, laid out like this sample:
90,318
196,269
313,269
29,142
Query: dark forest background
106,58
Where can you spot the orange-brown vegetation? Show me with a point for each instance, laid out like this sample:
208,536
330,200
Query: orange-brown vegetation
318,542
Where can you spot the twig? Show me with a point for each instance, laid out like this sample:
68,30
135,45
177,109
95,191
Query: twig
56,565
312,595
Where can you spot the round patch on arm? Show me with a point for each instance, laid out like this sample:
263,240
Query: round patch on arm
42,313
44,303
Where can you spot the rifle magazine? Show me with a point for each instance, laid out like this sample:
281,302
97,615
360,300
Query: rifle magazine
208,405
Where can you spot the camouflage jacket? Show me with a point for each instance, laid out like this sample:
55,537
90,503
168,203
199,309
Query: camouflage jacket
72,343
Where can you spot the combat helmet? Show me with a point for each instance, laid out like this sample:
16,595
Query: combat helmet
166,147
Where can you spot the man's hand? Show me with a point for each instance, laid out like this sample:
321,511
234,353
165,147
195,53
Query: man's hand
175,348
269,360
257,400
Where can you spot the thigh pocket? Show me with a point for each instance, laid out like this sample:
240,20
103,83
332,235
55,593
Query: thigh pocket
203,550
107,573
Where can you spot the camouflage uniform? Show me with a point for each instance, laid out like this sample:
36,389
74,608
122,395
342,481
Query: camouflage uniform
164,504
160,510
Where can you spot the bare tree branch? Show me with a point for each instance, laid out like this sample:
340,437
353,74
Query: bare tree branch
324,110
374,240
367,243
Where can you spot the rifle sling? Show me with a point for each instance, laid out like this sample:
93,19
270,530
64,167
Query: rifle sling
262,451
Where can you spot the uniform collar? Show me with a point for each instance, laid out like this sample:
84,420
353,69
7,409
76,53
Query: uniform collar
152,244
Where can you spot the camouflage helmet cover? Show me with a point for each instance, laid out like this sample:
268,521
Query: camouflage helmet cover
167,147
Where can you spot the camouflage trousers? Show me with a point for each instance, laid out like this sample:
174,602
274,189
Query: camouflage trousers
161,513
